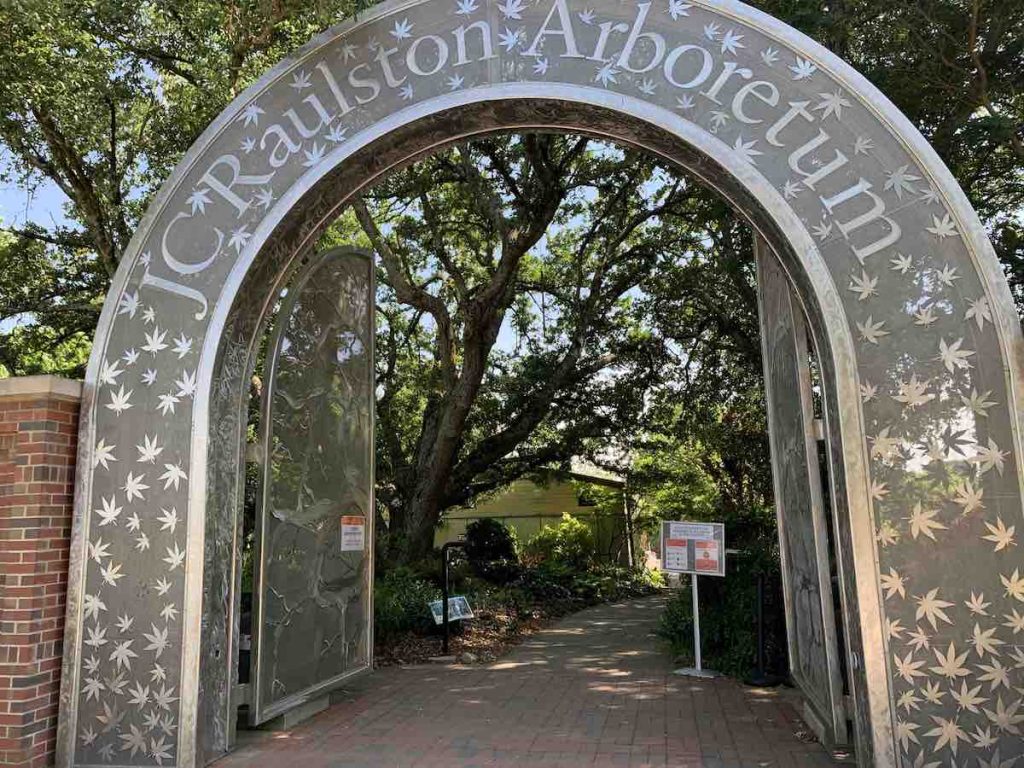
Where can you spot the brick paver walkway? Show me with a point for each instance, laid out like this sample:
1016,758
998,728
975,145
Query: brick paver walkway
593,690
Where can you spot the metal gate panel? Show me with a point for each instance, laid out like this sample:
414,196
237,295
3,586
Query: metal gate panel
313,618
806,576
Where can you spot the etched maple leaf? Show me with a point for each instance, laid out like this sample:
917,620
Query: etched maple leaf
677,8
92,688
932,693
251,115
908,701
1004,718
979,404
878,490
139,695
977,605
984,641
402,29
111,572
175,557
907,667
868,392
831,104
989,456
905,733
983,739
173,475
862,145
1014,621
918,640
902,263
923,522
802,69
893,628
950,664
111,717
109,373
155,341
102,454
925,316
947,733
168,520
864,286
893,584
899,181
745,150
929,606
870,331
995,674
952,356
133,487
99,549
980,311
159,750
158,641
512,9
942,228
883,446
1000,535
969,497
968,698
769,56
887,534
109,513
1014,585
164,697
465,7
97,636
149,450
199,199
92,605
167,403
947,276
134,740
913,393
731,42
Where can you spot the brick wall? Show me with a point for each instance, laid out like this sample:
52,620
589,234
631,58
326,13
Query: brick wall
38,436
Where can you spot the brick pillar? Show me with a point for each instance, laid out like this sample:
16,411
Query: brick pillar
38,437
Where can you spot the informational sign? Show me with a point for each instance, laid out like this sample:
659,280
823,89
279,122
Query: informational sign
676,558
708,559
693,547
458,608
353,533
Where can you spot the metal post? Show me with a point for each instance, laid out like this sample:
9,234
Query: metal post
444,601
696,624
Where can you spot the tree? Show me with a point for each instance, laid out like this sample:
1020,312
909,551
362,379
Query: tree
546,235
100,100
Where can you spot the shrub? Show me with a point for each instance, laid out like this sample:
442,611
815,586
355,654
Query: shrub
492,550
569,544
729,630
489,539
400,603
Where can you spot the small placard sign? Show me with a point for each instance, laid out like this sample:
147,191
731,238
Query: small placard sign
458,608
353,533
693,547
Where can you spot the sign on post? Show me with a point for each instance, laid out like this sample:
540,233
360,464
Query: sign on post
697,549
458,608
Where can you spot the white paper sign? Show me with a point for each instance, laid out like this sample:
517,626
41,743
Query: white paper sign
353,533
676,555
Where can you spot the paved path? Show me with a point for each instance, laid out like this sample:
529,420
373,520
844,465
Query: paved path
592,690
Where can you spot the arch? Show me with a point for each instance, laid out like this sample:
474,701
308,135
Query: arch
734,96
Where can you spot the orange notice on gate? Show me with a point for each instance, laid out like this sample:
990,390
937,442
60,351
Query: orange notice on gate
706,557
353,533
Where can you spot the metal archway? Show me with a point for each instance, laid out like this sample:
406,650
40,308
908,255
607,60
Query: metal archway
915,330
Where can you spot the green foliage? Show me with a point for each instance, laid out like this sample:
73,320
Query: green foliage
728,617
492,550
568,545
401,603
490,539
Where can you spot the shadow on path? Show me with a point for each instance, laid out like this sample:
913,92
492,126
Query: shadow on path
595,689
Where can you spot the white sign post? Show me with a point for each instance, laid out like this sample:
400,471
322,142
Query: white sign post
693,548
